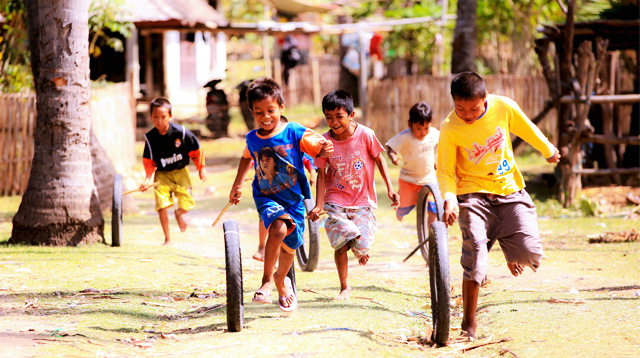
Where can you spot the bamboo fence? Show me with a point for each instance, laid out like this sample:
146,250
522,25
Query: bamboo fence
17,120
389,100
112,121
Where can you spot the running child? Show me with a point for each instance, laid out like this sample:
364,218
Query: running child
346,188
417,146
167,149
480,181
276,149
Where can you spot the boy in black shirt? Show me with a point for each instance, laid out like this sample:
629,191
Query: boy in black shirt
167,150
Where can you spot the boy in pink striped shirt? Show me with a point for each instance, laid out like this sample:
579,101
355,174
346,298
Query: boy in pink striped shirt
346,188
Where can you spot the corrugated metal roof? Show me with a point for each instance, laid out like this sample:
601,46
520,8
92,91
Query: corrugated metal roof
173,13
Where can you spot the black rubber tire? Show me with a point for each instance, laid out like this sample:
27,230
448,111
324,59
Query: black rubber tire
233,264
116,211
439,282
309,252
292,275
422,216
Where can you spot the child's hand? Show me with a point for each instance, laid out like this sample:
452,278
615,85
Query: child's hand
395,198
235,195
327,148
555,158
203,174
312,182
451,211
145,185
314,215
394,158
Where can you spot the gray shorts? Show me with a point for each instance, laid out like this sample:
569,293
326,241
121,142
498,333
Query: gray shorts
512,220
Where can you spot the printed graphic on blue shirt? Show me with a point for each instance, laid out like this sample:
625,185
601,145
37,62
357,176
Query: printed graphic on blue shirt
275,172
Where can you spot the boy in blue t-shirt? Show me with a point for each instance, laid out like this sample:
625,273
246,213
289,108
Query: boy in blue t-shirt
280,185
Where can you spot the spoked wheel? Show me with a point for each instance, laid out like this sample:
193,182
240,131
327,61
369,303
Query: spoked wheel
308,253
233,261
422,217
439,281
116,211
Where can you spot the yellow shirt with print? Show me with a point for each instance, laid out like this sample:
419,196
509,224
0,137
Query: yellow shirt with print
478,157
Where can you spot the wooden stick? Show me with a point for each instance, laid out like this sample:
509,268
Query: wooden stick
222,212
134,190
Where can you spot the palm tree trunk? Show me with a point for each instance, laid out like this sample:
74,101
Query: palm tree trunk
60,205
465,41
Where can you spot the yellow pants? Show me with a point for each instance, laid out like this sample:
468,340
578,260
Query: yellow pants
178,183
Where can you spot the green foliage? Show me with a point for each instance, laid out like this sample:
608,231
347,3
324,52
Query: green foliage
15,71
104,19
243,10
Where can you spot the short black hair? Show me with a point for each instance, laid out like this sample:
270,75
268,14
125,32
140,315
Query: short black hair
267,152
420,113
264,88
468,85
159,102
337,99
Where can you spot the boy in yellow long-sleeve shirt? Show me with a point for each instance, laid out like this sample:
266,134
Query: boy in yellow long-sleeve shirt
481,183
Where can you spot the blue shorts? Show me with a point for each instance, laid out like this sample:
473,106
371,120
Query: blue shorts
270,210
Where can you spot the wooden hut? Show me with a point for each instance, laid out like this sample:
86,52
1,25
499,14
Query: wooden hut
592,74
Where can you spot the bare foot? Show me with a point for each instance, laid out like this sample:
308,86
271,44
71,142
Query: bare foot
166,242
363,260
259,256
468,330
181,223
471,334
344,294
515,268
266,287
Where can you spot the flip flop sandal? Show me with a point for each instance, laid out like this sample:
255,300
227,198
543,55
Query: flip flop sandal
261,297
294,301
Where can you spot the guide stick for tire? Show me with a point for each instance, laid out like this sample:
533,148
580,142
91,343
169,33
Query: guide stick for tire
134,190
222,212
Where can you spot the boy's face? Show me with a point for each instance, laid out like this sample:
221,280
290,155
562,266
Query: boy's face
420,130
339,121
160,116
267,114
469,110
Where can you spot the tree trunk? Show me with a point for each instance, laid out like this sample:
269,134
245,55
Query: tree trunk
465,41
60,206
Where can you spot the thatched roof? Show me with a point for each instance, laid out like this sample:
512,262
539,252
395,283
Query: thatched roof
174,14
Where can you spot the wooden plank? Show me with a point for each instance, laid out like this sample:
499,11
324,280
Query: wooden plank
609,171
604,139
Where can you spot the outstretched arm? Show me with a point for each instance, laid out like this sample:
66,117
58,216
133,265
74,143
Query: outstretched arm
384,171
149,170
236,189
320,187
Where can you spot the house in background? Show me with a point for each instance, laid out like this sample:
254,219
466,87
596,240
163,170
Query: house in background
174,50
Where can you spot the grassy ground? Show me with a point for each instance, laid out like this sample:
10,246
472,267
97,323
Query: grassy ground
149,300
